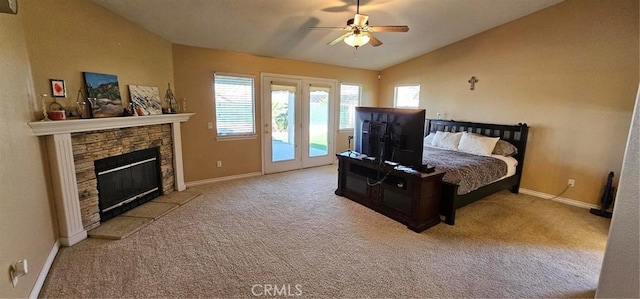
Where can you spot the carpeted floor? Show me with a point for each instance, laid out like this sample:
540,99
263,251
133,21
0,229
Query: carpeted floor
288,234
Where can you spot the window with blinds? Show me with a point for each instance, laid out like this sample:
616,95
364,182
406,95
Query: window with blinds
349,99
235,105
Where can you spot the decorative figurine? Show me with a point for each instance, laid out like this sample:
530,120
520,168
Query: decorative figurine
172,106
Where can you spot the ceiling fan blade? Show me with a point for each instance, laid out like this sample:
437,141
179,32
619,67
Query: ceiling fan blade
330,28
360,20
373,40
339,39
388,28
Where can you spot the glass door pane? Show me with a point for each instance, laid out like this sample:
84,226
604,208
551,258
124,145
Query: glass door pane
283,120
318,121
297,122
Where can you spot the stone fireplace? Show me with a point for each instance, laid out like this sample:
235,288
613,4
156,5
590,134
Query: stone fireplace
74,145
89,147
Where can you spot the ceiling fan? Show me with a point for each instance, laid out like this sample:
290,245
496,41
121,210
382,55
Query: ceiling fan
359,31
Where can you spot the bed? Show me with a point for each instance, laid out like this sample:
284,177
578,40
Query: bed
506,173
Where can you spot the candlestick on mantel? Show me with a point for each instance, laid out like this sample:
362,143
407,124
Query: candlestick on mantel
44,107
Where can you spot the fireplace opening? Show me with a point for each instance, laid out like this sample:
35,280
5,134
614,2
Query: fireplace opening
127,181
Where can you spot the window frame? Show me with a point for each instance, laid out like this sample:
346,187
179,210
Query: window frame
395,95
359,85
242,136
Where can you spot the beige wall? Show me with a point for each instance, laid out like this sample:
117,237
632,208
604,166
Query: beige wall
26,223
68,37
193,75
570,72
55,39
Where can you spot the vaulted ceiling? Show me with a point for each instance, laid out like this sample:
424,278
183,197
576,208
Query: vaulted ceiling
280,28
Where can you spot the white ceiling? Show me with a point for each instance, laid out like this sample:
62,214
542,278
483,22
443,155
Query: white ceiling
280,28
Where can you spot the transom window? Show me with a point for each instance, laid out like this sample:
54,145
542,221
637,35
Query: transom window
350,95
235,105
406,96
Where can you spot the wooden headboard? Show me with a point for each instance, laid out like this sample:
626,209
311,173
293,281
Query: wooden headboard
514,134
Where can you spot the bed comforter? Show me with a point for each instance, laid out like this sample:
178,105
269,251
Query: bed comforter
468,171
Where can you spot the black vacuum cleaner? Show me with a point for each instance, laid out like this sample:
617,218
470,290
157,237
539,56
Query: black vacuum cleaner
606,200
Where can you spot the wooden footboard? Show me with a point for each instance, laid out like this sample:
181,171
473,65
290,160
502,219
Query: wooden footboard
451,200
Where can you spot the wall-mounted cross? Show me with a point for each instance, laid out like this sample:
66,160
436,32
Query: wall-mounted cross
473,82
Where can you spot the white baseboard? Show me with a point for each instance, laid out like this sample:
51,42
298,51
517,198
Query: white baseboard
222,179
45,270
564,200
568,201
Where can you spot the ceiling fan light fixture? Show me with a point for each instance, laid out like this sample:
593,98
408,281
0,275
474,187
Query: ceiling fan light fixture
359,32
357,39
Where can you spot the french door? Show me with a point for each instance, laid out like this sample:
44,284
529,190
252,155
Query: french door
297,122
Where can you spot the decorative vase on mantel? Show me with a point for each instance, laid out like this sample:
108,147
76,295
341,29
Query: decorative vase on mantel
170,101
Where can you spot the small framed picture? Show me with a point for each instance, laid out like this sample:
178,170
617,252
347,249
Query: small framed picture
58,89
71,112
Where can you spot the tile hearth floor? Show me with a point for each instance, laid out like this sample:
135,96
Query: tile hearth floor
122,226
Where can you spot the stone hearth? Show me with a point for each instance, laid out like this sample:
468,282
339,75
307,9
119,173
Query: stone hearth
73,145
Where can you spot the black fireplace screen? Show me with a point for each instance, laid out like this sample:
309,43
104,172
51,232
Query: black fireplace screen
127,181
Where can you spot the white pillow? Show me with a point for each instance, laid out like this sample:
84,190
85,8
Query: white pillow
429,139
447,140
476,144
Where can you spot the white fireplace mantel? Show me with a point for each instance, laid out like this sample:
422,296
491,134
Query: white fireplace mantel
43,128
62,167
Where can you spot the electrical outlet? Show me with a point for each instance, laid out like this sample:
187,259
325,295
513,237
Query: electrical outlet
219,164
572,182
210,125
17,270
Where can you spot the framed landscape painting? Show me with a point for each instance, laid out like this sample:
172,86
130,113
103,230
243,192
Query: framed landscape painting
103,94
145,99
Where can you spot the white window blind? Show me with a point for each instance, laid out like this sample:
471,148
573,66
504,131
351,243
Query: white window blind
235,105
407,96
349,99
